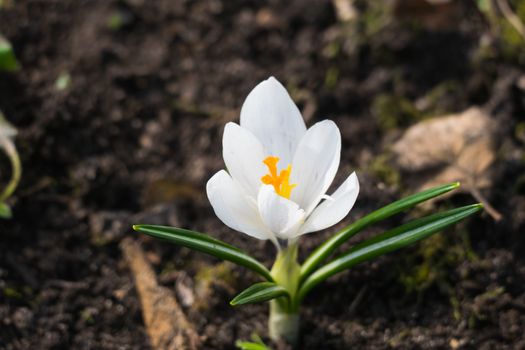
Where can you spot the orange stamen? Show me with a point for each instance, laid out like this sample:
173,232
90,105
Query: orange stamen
281,182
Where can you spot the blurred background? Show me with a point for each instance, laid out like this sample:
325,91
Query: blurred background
120,107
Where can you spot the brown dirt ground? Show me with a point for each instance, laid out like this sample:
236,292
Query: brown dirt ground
136,135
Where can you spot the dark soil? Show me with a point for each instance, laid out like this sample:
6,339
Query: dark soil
137,133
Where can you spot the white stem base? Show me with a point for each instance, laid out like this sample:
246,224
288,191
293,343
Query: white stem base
282,325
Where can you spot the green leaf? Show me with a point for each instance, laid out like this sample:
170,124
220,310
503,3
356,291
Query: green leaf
206,244
328,247
246,345
8,60
170,231
255,344
389,241
259,293
5,211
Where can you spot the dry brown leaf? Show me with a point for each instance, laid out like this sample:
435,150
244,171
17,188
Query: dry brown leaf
165,322
457,147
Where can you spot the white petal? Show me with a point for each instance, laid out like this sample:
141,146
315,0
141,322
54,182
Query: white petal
333,210
315,164
282,216
271,115
234,208
243,155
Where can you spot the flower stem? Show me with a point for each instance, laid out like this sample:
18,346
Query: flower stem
283,322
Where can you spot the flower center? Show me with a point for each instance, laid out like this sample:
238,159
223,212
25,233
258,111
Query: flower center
281,182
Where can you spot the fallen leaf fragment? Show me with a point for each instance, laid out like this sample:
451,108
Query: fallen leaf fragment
457,147
165,322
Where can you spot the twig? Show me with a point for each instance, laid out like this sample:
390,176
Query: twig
165,322
496,215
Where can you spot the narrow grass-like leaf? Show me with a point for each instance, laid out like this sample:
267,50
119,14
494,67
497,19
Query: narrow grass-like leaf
255,344
206,244
389,241
8,62
328,247
169,230
246,345
259,293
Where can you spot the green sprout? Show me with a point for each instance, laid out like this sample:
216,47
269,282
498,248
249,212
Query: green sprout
8,62
7,134
255,344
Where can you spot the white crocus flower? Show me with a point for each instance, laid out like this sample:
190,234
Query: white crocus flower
278,171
